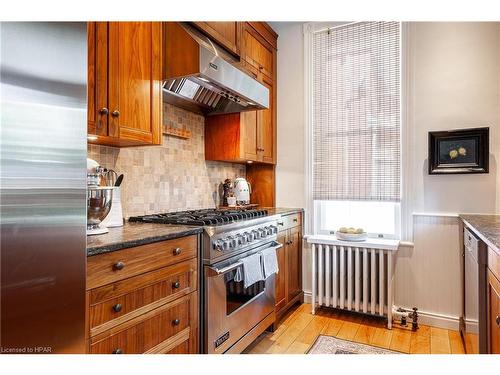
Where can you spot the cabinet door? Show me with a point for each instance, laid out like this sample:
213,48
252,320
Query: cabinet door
97,86
135,81
280,283
224,33
249,135
256,52
294,258
494,313
265,127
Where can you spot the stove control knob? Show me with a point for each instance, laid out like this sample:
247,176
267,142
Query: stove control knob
274,229
232,241
262,233
250,236
256,234
226,244
241,239
268,231
218,245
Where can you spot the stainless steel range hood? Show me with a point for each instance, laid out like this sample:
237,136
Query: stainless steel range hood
201,77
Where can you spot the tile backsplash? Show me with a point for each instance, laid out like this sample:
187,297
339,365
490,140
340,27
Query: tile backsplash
170,177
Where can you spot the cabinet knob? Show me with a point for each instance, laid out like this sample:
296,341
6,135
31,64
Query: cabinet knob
117,307
118,351
118,266
176,285
177,251
176,322
104,111
261,67
115,113
497,320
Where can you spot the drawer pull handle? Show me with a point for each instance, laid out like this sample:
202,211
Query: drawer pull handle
295,220
176,322
176,285
118,351
117,307
177,251
118,266
281,223
497,320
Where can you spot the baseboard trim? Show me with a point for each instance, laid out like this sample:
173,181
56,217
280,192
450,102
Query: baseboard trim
425,317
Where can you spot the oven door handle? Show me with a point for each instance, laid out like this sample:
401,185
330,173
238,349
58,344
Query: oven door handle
216,271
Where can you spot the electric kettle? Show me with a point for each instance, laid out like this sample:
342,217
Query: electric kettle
242,191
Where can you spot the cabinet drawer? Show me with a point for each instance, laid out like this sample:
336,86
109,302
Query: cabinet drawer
289,221
494,262
158,331
108,268
116,303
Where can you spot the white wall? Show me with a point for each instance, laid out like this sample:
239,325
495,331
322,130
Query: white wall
455,83
290,185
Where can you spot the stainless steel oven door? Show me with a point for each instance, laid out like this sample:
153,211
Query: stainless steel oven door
231,310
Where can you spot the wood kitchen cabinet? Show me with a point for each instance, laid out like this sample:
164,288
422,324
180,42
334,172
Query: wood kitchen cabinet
248,136
227,34
258,53
493,296
144,299
124,83
289,278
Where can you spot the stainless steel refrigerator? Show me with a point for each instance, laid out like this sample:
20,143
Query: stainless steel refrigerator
43,186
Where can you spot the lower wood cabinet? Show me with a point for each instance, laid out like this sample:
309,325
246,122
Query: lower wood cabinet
289,278
144,299
493,295
166,328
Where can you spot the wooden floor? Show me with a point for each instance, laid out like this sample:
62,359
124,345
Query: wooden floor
299,329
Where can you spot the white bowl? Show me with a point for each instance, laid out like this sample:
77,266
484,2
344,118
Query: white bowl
351,236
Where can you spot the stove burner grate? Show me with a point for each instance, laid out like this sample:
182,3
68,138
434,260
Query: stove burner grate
201,217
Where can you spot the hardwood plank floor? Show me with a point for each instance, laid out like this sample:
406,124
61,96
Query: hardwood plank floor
299,329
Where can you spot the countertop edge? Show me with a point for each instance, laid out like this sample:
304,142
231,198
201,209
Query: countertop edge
480,234
93,251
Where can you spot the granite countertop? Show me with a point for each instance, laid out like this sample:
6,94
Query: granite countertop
135,234
487,227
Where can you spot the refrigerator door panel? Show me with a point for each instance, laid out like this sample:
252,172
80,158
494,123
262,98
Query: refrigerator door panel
43,186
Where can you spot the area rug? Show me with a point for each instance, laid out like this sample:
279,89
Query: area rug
332,345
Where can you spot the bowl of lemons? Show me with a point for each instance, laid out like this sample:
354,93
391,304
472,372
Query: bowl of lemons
351,234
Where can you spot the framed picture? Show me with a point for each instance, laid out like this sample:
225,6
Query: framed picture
459,151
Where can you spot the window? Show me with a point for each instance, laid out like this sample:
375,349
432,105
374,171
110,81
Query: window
356,140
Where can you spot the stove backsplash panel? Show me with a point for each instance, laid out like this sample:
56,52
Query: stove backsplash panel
171,177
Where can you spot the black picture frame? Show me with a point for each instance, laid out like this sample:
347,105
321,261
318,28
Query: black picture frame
459,151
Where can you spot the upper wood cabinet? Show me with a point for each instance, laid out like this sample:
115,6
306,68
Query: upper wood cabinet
227,34
248,136
124,83
257,53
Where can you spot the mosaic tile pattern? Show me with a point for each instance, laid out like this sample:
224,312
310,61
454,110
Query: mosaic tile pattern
171,177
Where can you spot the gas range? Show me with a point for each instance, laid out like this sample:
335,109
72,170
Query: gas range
226,232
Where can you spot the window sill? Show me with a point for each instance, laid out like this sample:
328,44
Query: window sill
377,243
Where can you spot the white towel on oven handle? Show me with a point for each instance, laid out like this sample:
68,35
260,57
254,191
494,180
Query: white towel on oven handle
269,262
250,270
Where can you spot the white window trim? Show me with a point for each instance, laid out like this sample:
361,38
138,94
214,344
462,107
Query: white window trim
407,116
